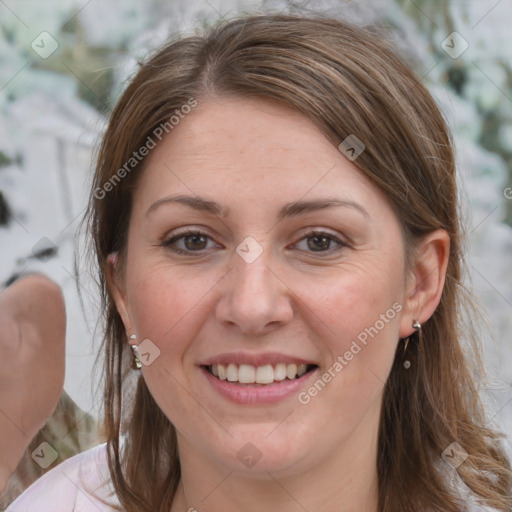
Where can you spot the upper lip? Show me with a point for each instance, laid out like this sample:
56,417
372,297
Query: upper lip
261,359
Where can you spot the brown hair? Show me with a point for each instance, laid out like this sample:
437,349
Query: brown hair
347,81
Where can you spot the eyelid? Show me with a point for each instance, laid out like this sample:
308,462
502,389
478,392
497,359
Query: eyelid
311,230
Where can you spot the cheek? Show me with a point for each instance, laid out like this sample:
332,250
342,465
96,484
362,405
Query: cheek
168,308
162,301
354,300
360,312
363,316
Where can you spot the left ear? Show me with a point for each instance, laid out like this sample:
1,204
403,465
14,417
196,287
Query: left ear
425,280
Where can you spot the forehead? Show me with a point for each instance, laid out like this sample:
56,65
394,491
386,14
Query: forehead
257,150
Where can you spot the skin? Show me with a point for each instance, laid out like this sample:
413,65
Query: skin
32,343
253,156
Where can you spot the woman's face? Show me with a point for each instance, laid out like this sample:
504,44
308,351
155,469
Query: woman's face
298,260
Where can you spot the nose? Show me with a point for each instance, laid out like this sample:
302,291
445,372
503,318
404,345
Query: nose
254,298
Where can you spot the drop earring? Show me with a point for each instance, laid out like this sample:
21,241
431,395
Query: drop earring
407,363
136,364
417,326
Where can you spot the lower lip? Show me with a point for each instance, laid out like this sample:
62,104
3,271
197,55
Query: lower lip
246,394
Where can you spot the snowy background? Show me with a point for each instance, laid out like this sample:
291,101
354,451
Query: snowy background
64,63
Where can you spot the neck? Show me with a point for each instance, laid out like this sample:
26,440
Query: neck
346,482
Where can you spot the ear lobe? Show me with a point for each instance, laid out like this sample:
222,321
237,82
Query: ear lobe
116,289
427,278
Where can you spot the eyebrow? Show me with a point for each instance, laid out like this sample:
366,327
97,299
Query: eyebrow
288,210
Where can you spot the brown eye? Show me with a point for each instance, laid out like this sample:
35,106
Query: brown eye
322,242
319,243
194,242
188,242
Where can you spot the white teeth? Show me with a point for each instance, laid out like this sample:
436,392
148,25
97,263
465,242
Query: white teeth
246,374
301,370
280,371
232,372
266,374
291,371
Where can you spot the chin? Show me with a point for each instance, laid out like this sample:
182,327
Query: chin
256,455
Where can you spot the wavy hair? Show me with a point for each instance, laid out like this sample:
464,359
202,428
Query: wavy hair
347,80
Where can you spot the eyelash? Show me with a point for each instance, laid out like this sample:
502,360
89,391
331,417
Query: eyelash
168,243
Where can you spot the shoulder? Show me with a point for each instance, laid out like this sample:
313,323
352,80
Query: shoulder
77,484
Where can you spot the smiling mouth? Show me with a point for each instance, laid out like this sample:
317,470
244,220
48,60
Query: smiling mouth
259,375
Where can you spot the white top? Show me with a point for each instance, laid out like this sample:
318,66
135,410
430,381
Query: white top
73,486
76,484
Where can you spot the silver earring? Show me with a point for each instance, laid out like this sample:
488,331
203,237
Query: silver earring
136,364
417,326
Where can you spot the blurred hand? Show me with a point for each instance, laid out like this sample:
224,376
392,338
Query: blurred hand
32,363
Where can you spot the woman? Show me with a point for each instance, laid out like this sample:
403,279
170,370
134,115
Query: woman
275,221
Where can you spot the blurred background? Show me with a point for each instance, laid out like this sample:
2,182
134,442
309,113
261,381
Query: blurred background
64,63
